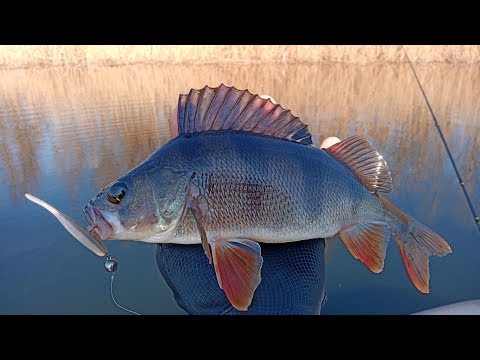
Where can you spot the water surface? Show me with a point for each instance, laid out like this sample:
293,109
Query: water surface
66,132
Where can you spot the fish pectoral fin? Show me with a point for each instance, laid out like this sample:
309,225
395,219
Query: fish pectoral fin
198,209
367,242
237,265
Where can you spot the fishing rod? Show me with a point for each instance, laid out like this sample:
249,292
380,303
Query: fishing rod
459,178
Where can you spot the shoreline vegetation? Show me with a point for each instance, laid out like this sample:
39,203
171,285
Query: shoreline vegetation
74,119
25,56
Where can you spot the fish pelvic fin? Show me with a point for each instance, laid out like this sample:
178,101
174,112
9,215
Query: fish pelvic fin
367,242
238,263
226,108
364,161
416,243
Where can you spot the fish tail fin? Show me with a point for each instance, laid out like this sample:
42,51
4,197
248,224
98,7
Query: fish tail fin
416,243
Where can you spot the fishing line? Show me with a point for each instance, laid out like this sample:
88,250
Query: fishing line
87,239
111,265
459,178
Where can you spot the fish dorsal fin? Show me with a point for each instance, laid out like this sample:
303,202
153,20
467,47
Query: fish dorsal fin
359,155
227,108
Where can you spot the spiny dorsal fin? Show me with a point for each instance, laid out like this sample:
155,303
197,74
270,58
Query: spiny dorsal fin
227,108
359,155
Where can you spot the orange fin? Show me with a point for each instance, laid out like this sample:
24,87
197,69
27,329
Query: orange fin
359,155
228,108
416,263
416,242
237,265
416,247
367,242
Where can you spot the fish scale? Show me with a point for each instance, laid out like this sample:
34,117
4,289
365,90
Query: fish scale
297,197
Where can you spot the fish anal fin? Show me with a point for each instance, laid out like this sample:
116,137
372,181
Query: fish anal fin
238,263
361,157
367,242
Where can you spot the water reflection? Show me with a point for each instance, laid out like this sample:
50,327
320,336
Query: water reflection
68,120
67,132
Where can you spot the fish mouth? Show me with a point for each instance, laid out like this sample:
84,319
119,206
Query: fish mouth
99,225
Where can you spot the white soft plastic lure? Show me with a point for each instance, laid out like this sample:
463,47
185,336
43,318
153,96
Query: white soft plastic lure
77,231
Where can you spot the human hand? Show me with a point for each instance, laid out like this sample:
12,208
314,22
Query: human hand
293,279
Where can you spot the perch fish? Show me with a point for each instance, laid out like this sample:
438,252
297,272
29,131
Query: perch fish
242,171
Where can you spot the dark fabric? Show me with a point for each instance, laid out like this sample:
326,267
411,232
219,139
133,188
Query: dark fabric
293,279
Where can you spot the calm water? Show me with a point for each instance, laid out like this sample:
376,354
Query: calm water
67,132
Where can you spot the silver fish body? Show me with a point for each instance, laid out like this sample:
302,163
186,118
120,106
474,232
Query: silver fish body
265,189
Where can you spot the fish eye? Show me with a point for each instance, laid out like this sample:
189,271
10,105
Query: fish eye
116,192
